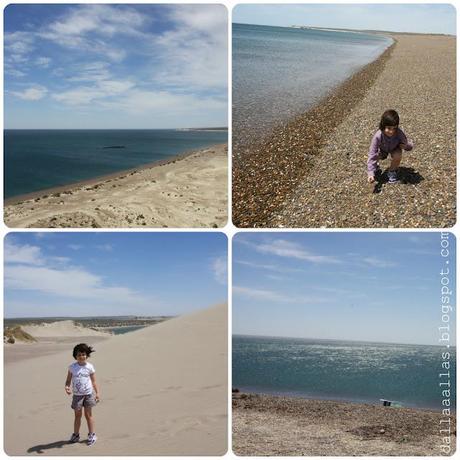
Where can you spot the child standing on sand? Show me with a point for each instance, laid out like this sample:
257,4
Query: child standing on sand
388,140
85,391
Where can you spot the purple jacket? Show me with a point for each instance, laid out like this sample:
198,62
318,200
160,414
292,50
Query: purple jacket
385,144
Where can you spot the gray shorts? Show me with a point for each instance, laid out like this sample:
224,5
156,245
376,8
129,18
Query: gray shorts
383,155
80,401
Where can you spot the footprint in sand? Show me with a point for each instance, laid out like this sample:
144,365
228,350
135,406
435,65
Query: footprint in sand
171,388
211,386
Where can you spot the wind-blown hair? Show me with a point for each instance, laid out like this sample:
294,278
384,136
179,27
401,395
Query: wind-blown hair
82,348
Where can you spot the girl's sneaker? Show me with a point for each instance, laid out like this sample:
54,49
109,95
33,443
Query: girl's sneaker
92,438
392,177
74,438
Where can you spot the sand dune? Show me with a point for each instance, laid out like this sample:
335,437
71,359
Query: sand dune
66,328
163,392
186,192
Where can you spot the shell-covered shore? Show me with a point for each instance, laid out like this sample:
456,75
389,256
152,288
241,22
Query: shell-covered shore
311,172
281,426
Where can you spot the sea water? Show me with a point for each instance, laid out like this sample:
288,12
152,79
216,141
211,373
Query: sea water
40,159
279,72
341,370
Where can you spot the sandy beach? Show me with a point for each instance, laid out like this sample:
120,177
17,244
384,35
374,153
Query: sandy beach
186,191
277,426
312,171
163,392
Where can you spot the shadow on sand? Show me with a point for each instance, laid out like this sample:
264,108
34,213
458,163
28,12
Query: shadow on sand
406,176
42,448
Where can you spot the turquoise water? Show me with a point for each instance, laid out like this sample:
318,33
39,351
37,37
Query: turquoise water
339,370
125,330
279,72
40,159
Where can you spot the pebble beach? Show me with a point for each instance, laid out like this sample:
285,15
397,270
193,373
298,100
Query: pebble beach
311,172
281,426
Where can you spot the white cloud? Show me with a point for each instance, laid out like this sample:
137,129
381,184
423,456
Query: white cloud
77,96
25,254
18,42
175,67
219,266
98,19
14,72
91,28
16,59
31,94
60,260
378,263
84,95
93,72
105,247
168,104
276,277
275,268
195,52
112,87
259,294
43,61
67,282
26,269
272,296
283,248
75,247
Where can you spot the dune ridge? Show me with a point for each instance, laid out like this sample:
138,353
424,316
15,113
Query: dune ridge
163,392
66,328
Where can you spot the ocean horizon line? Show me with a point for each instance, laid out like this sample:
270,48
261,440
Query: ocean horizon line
340,29
210,128
342,340
87,317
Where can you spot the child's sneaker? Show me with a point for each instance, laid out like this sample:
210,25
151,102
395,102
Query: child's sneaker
74,438
92,438
392,177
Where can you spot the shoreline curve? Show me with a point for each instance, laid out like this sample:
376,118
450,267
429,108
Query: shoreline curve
266,173
17,199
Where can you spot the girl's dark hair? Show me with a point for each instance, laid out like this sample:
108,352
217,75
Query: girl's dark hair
389,118
82,348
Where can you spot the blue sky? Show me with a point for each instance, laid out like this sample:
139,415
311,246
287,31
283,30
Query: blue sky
421,18
382,287
89,274
115,66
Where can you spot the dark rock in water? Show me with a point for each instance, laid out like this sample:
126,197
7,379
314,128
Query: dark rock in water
235,390
114,147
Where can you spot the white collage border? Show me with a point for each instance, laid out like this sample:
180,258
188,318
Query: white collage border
229,229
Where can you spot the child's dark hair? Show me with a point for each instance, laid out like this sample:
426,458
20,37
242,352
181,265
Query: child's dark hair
389,118
82,348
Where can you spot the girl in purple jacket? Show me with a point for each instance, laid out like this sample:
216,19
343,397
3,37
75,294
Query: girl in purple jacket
388,140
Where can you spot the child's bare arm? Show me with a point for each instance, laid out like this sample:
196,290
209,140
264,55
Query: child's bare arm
68,380
95,386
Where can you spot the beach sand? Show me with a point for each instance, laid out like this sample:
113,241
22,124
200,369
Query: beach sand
20,351
163,392
312,171
187,191
51,338
66,328
277,426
